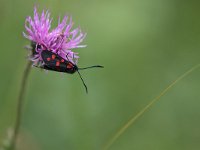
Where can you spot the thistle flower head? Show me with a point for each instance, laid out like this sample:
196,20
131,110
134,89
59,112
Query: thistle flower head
60,40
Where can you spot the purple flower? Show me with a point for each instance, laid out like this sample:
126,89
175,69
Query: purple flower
60,40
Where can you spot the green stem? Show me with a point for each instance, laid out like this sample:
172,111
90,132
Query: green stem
20,106
148,106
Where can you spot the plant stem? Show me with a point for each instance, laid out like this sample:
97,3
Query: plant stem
20,106
148,106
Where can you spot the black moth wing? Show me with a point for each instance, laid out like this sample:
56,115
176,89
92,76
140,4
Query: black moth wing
54,62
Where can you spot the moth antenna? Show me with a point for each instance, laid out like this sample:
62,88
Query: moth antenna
96,66
83,81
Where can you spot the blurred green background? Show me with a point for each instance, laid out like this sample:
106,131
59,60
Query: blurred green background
143,44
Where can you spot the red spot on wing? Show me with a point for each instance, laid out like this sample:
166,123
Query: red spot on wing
48,59
69,65
53,56
62,60
57,64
